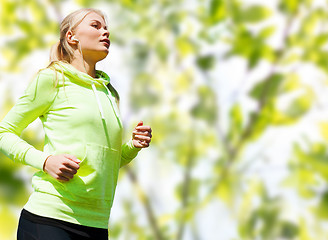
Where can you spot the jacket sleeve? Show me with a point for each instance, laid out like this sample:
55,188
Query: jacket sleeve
129,152
34,103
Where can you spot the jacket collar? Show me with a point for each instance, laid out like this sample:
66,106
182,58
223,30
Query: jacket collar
78,76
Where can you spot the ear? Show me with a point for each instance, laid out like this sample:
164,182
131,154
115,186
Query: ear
69,36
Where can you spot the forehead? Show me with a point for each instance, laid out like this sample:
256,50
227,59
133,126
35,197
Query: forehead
92,16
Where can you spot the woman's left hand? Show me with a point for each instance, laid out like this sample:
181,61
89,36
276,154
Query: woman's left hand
141,136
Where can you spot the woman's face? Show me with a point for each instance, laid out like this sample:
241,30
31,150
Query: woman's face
93,36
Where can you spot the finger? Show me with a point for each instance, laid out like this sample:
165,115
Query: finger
144,144
137,144
72,165
141,144
145,133
142,138
62,178
143,128
67,174
69,170
72,157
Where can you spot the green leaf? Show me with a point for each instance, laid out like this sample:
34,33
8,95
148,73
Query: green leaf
162,51
236,123
300,178
291,83
321,40
252,47
206,108
267,53
8,223
267,88
254,14
183,82
318,57
217,11
288,230
305,231
227,189
296,108
8,16
323,126
261,122
191,190
267,32
12,188
87,3
144,91
299,106
311,23
295,40
289,6
321,210
185,46
206,62
291,57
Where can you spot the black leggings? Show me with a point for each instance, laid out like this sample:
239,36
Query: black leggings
33,227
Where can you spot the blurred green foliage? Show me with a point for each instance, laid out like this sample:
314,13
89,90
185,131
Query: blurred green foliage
175,86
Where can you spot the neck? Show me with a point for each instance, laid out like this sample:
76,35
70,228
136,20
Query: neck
83,65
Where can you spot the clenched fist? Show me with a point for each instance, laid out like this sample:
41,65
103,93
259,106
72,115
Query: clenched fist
141,135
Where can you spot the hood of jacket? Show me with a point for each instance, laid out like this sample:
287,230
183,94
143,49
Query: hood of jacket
78,76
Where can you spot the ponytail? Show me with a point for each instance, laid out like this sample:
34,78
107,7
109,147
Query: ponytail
55,52
58,53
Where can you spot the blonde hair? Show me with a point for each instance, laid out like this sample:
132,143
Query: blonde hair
62,50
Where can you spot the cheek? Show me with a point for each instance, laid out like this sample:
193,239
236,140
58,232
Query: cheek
91,35
94,33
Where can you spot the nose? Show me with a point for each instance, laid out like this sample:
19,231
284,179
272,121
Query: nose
106,33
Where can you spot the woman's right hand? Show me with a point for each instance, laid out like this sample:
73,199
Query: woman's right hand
62,167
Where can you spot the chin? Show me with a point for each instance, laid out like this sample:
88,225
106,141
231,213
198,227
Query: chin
100,55
95,52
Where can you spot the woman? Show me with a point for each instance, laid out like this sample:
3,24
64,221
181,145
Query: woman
83,151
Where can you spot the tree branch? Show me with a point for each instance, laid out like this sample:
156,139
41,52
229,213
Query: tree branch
186,186
233,151
146,204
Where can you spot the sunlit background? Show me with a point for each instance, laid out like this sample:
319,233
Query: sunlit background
236,93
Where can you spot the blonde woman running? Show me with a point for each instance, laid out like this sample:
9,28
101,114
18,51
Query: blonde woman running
83,151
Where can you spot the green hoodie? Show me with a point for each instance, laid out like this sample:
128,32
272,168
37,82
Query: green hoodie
79,116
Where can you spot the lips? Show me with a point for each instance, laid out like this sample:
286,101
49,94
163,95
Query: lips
106,40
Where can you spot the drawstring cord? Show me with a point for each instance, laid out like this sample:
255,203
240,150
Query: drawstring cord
114,106
98,101
116,112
